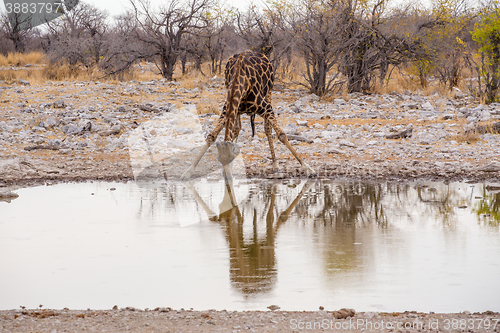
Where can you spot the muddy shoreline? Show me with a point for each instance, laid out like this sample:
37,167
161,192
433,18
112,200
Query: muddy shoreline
326,173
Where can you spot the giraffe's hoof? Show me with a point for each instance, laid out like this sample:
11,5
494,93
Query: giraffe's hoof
276,174
309,171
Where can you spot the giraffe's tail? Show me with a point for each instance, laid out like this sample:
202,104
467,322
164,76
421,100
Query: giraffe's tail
234,96
252,123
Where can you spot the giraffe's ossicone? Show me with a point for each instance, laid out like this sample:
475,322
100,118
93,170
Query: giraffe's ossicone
249,81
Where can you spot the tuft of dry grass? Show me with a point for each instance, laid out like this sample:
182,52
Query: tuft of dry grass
209,106
34,76
399,81
470,137
142,71
193,80
59,72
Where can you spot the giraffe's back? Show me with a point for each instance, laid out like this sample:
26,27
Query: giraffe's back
256,80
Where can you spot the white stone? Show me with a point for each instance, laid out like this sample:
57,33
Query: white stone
346,143
427,106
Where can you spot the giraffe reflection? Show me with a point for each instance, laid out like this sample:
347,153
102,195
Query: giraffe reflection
252,259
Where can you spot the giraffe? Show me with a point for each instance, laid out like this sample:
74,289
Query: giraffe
249,79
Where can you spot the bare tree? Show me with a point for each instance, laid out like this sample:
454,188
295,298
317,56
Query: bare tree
162,31
123,47
444,38
194,48
16,28
372,46
351,37
317,30
216,36
264,30
79,37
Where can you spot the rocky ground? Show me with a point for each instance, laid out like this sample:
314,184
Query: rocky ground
66,131
168,320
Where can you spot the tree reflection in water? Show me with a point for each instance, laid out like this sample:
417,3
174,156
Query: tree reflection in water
337,214
488,207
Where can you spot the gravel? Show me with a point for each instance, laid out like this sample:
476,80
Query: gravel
168,320
72,131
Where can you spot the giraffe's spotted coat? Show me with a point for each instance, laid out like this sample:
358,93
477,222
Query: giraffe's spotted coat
249,79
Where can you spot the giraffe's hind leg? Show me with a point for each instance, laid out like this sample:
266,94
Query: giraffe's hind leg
268,129
271,119
236,129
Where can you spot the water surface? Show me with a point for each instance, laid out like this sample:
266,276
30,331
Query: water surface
300,245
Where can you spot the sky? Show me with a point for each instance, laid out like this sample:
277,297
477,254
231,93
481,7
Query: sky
117,7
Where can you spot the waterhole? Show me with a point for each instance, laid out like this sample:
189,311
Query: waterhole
299,244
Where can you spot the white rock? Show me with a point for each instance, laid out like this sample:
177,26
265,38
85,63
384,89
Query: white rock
184,130
5,127
427,106
346,143
484,115
330,134
425,138
492,167
471,119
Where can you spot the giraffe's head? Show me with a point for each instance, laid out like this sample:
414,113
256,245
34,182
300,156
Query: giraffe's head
227,151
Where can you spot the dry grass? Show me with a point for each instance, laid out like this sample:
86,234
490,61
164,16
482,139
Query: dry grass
66,72
22,59
402,80
398,82
58,72
195,79
142,71
11,75
133,75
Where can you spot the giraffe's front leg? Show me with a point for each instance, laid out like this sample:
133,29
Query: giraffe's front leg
210,139
189,172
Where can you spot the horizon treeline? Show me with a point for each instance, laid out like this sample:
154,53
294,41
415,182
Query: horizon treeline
324,45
